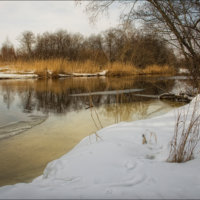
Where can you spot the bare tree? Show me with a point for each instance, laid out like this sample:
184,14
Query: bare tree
93,49
27,39
110,43
8,51
178,22
140,48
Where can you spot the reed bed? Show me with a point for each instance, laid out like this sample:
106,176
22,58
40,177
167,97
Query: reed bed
56,66
155,69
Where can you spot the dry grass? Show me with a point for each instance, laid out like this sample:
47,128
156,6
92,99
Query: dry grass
155,69
118,68
144,141
151,134
186,136
57,66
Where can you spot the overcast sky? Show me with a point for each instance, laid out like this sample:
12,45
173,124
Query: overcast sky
41,16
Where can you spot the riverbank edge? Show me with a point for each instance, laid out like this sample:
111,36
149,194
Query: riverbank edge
143,169
104,73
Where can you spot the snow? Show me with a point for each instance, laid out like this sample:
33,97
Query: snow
118,167
182,70
4,68
49,72
27,72
18,72
64,75
9,74
17,76
103,73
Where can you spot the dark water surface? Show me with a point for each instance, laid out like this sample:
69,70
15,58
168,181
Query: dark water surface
42,120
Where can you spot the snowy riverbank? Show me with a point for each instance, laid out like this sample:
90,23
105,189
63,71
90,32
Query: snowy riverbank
7,73
118,166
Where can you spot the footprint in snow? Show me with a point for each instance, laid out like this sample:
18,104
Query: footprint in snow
108,191
72,179
97,180
131,182
116,143
152,180
151,157
130,165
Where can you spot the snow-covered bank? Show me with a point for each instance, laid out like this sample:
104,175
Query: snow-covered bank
17,76
183,71
118,166
7,73
102,73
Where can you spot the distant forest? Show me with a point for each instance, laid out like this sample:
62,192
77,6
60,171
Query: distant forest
140,48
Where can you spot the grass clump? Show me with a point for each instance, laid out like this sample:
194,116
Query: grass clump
186,135
144,141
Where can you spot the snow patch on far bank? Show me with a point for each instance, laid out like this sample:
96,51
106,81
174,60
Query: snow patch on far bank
103,73
183,71
17,76
6,72
64,75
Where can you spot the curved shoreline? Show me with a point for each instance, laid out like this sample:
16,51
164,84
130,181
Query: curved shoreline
118,166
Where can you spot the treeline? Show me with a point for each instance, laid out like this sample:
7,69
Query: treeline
138,48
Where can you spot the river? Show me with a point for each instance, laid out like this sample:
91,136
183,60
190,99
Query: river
43,119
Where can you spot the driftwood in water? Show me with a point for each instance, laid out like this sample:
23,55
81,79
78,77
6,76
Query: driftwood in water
183,97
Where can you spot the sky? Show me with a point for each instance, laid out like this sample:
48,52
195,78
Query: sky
42,16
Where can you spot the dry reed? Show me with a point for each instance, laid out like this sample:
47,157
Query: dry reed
97,136
144,141
151,134
116,108
92,106
186,135
155,69
56,66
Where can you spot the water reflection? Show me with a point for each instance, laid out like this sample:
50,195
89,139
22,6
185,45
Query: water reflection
52,96
24,156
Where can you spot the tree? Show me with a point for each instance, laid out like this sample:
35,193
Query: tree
110,44
93,49
27,39
178,22
8,51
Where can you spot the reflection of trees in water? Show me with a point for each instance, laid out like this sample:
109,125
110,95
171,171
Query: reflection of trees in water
125,111
8,94
27,100
49,101
53,95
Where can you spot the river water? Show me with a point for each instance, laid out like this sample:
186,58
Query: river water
43,119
